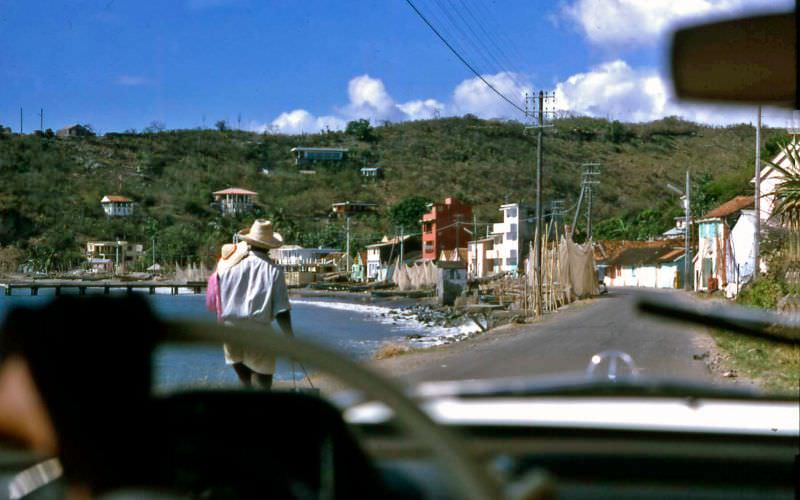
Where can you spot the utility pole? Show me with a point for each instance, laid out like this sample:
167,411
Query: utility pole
402,243
458,233
154,253
688,275
41,119
756,243
537,247
590,170
20,120
475,243
347,252
686,196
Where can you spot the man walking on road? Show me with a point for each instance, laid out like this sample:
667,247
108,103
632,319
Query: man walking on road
253,292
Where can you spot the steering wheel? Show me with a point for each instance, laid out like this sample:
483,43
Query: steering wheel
468,478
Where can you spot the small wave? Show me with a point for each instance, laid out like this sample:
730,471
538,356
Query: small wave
403,321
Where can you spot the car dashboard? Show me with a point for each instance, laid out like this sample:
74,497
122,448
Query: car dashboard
603,447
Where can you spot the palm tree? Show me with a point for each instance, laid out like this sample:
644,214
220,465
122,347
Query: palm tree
786,210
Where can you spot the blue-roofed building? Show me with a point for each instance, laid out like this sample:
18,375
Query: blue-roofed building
309,155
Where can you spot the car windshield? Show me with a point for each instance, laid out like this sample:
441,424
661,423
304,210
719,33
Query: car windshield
440,190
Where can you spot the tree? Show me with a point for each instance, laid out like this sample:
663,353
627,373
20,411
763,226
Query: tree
361,130
154,127
618,133
221,125
408,212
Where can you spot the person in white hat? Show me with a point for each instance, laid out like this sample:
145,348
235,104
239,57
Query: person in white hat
252,289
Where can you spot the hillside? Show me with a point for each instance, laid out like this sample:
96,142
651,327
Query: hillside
49,203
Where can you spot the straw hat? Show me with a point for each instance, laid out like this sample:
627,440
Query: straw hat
260,235
232,255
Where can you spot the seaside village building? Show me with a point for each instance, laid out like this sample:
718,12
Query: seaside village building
505,249
725,257
234,201
512,237
445,227
113,256
116,205
383,256
656,264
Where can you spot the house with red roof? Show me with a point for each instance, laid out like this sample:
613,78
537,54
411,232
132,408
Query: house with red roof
117,206
234,200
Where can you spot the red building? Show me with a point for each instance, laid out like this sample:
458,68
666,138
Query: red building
444,228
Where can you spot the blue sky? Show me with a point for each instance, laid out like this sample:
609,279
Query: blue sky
292,65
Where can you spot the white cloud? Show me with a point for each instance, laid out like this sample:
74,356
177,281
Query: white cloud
473,96
619,92
300,121
616,22
133,80
367,98
422,109
613,90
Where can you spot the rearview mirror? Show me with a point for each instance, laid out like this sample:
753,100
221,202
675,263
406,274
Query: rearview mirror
752,59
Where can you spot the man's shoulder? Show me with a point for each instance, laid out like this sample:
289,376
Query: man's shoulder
262,261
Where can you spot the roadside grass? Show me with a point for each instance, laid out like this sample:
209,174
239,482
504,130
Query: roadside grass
775,367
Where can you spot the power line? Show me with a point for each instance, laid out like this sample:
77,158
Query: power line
460,58
506,64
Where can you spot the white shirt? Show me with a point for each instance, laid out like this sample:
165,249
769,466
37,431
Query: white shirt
252,290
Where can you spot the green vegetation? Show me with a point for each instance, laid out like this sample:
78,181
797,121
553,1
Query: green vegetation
49,204
775,367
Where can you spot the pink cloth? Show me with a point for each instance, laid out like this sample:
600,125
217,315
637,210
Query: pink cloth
213,299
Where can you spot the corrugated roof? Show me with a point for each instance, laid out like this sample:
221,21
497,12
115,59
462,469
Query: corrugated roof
235,190
730,207
115,198
645,255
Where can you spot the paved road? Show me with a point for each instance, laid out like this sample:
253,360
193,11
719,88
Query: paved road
565,342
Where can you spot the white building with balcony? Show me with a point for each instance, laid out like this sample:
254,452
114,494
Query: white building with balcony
295,255
511,237
234,201
112,256
117,206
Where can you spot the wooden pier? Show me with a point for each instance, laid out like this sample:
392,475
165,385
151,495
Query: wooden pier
34,286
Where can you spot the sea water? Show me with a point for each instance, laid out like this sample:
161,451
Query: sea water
353,329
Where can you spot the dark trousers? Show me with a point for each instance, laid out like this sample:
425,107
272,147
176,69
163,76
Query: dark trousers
249,378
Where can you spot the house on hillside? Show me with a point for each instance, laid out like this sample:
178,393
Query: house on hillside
74,130
720,260
347,208
117,206
512,237
303,155
372,172
445,227
234,201
646,266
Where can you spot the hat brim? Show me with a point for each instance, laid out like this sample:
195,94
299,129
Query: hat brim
240,252
275,242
